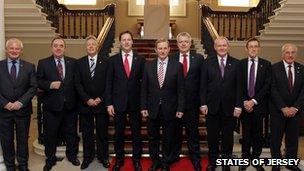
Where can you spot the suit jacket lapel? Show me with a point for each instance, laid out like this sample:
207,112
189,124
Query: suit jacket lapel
297,71
191,63
227,67
259,70
282,74
134,64
67,68
167,72
87,67
154,72
6,71
20,74
121,63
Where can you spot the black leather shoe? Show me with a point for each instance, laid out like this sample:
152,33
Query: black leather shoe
137,166
197,165
106,163
275,168
75,161
23,168
165,167
48,166
118,165
259,168
293,168
243,168
155,166
85,164
211,167
225,168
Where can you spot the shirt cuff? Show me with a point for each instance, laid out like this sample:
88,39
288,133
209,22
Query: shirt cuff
254,101
203,106
238,108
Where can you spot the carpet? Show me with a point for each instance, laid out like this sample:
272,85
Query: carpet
183,165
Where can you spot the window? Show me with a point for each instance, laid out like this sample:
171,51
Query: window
238,3
79,2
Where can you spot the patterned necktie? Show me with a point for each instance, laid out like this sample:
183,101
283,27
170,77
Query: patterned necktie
60,68
185,64
92,67
161,73
126,65
251,82
290,78
13,72
222,67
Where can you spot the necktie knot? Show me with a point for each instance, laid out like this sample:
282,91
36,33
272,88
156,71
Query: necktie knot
289,66
252,60
185,55
14,62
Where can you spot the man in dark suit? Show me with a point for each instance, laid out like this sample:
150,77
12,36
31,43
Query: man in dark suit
18,86
192,68
286,105
220,96
55,76
162,100
90,85
255,80
124,75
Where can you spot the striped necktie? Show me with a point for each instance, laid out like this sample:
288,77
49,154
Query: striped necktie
92,67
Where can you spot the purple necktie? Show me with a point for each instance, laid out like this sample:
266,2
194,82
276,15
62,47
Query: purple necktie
222,67
251,83
290,78
13,72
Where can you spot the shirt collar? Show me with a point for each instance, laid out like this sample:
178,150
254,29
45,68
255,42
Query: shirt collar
93,57
255,58
164,61
9,60
181,55
130,53
225,57
286,64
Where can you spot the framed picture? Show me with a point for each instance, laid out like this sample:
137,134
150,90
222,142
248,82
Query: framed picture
177,8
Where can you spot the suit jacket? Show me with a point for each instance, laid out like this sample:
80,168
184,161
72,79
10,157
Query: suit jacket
221,93
280,95
88,87
123,92
192,79
65,96
262,83
22,89
171,95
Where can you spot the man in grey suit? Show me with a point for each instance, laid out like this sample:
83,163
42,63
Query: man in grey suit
17,88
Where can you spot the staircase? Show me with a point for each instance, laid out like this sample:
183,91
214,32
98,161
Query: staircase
24,19
145,48
286,25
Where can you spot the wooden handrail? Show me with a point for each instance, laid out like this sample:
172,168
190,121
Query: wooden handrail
214,34
241,25
104,32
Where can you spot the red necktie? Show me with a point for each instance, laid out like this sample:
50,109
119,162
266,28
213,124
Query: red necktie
126,65
185,64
